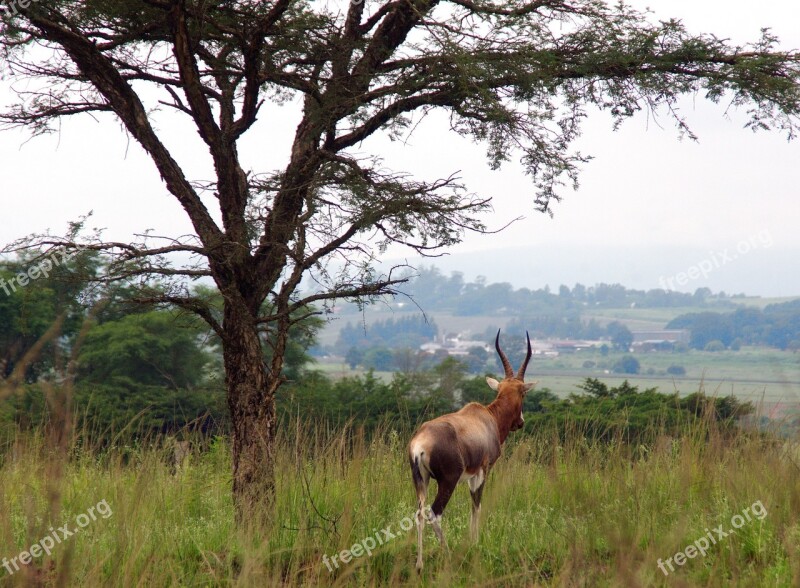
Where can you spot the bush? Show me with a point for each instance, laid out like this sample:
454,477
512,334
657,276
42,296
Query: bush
378,358
628,364
715,346
606,414
676,370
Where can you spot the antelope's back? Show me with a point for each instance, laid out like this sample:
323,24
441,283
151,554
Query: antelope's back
462,441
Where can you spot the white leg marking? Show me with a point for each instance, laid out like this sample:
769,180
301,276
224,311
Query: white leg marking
476,481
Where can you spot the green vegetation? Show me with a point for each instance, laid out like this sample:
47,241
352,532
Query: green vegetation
405,331
777,325
627,364
166,367
602,412
28,313
600,485
606,479
624,414
556,512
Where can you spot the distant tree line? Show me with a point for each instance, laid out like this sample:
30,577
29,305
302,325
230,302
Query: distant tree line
404,331
435,292
388,345
778,325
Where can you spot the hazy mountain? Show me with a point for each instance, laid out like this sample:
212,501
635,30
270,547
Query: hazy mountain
755,268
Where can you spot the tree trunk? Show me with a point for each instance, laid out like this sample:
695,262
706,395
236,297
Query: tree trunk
251,403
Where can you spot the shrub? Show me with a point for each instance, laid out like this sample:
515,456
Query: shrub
676,370
627,364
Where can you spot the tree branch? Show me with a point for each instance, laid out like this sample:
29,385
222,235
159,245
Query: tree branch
126,104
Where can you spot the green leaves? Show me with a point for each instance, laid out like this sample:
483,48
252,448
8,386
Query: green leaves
151,349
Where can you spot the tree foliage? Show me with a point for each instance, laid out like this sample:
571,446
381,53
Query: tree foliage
627,364
150,349
57,296
404,331
621,336
778,325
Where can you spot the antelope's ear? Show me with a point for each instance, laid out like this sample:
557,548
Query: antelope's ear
529,386
493,384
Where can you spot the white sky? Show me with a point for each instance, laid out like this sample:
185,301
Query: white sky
644,187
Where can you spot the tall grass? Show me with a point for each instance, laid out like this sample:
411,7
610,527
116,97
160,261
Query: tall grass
554,513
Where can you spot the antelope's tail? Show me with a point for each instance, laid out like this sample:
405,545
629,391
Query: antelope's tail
420,474
416,474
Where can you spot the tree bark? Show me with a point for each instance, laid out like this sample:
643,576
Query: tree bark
251,402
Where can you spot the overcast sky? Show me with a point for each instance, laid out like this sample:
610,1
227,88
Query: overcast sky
644,199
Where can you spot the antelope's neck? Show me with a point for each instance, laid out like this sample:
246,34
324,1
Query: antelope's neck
504,414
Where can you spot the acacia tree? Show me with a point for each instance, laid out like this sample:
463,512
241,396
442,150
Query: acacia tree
516,75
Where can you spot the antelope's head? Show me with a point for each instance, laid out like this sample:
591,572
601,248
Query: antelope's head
511,390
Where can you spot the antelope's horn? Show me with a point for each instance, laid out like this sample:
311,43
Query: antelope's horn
524,366
506,364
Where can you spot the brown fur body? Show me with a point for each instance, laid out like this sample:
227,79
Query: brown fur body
463,446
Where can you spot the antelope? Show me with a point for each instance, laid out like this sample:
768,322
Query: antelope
462,447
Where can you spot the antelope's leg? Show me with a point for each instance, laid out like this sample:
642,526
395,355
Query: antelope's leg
476,484
443,494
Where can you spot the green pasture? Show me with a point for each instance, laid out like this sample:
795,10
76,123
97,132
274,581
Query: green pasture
574,514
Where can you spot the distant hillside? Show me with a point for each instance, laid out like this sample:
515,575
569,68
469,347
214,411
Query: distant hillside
762,271
454,305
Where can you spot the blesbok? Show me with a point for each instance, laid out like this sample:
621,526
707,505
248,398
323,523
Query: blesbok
463,446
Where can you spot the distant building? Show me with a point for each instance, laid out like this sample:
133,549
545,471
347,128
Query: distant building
573,345
454,345
459,345
661,337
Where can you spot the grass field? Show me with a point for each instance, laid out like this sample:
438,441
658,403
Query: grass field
570,515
